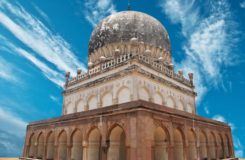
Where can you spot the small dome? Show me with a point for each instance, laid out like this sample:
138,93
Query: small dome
125,27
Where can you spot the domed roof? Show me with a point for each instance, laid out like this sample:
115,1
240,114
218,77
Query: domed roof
123,26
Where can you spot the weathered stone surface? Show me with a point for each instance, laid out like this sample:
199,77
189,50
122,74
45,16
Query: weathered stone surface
123,26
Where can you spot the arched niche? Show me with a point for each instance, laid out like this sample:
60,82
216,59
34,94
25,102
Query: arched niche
123,95
81,106
40,146
117,148
227,147
94,144
50,146
106,99
170,102
192,152
189,108
31,150
220,145
212,146
157,98
178,145
62,146
161,144
203,145
144,94
70,108
180,105
92,102
77,147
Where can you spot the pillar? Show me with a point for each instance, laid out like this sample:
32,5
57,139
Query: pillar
44,150
68,156
85,150
171,152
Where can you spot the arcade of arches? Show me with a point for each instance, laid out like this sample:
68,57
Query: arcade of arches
127,139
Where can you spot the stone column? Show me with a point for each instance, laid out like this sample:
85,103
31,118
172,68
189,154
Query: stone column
68,156
85,150
198,152
171,152
186,152
44,151
56,151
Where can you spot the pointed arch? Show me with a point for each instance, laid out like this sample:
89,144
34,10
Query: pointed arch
212,145
92,102
50,145
144,94
227,146
76,143
40,146
192,145
203,145
94,144
31,148
220,145
178,144
180,105
123,95
189,108
158,98
161,144
170,102
80,105
106,99
70,108
62,145
117,146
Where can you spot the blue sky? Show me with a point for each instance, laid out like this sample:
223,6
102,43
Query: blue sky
40,40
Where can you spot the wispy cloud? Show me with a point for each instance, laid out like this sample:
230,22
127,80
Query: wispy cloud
206,110
208,39
10,140
53,98
51,74
242,4
35,35
11,122
7,71
95,10
41,13
239,148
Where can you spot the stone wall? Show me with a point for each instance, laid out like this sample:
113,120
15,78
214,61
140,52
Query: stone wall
136,130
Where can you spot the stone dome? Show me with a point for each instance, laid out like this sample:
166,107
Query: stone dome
123,26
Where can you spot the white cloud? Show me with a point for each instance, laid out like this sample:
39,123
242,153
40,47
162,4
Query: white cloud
53,98
206,110
51,74
239,148
219,118
11,123
208,40
7,71
34,34
41,13
242,4
12,132
222,119
181,11
95,10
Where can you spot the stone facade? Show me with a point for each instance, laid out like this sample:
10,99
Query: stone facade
130,105
137,130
